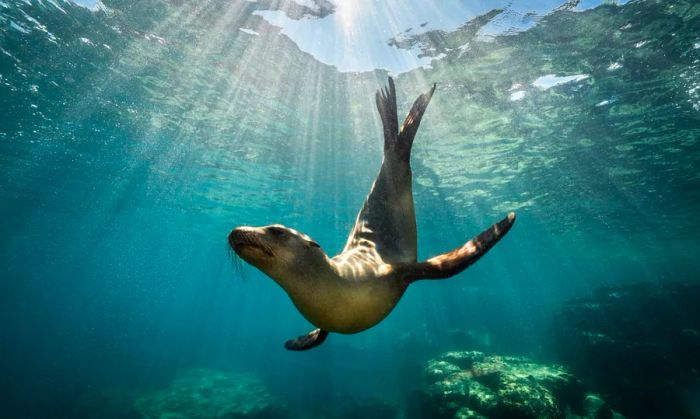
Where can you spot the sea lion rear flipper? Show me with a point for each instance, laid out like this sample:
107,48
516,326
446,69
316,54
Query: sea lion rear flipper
386,105
399,141
410,125
454,262
304,342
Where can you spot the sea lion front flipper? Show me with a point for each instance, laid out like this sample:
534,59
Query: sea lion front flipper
454,262
304,342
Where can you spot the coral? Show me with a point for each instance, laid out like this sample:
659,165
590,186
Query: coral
473,385
205,393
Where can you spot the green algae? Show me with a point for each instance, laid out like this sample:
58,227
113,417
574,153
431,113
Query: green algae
469,384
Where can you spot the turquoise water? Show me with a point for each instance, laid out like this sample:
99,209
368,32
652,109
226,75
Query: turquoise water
134,135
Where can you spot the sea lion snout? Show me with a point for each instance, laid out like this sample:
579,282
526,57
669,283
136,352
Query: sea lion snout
245,239
232,238
237,236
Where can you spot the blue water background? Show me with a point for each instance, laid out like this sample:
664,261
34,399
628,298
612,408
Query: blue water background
132,141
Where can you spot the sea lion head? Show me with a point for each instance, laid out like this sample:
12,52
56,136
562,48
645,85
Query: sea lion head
278,251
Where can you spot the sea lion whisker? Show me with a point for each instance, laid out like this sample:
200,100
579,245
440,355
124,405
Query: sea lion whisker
236,261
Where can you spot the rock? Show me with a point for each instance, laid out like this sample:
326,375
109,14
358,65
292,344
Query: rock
638,344
201,393
472,385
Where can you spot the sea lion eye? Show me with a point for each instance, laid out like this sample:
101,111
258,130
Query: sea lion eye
276,231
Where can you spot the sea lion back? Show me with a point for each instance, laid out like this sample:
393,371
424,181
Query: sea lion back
387,221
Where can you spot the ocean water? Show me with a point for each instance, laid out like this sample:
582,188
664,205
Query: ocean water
134,135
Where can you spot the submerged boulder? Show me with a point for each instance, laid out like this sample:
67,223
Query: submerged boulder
472,385
202,394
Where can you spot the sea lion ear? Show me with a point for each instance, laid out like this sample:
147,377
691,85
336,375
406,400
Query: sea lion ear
313,243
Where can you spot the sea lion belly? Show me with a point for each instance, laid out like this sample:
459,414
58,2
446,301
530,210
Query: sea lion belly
348,306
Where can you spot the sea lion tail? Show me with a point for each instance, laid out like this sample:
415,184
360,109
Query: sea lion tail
399,141
457,260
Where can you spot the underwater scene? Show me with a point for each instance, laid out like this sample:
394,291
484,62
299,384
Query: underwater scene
175,175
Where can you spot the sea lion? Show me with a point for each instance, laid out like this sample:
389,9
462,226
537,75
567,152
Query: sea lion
358,288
